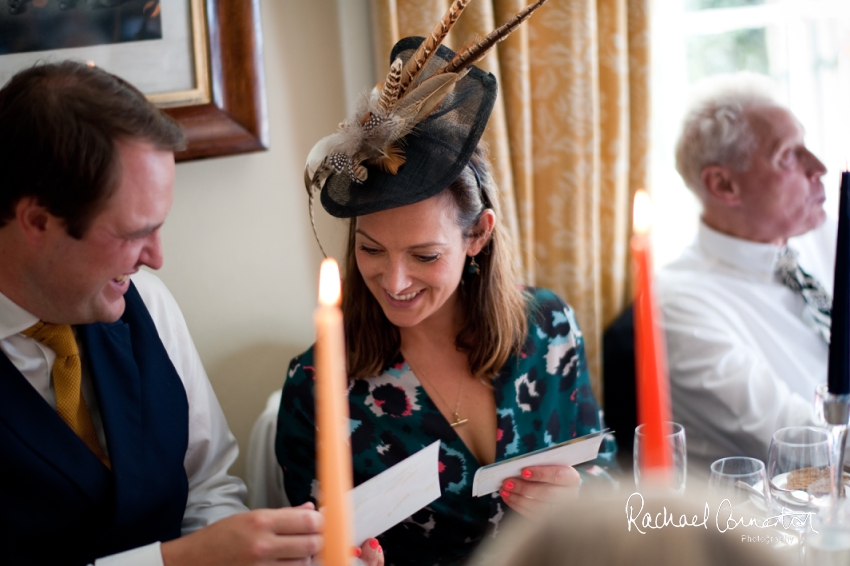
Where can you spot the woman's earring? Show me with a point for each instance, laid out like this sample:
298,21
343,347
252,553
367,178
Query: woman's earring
473,268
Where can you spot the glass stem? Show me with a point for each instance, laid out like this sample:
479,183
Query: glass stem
838,433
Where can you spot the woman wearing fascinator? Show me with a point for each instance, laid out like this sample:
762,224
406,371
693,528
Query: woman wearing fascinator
442,343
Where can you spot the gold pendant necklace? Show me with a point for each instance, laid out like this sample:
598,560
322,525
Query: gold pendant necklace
458,420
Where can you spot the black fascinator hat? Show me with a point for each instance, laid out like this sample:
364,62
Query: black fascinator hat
413,134
435,151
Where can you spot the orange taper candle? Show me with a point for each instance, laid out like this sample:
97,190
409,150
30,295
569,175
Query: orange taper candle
332,450
653,388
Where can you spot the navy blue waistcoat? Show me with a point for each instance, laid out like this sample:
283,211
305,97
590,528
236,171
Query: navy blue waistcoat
58,503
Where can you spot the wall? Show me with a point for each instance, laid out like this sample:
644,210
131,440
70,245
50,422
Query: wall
239,252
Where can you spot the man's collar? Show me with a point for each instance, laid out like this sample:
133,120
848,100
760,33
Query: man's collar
756,258
13,319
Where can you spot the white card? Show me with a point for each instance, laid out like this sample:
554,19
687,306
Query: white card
489,478
395,494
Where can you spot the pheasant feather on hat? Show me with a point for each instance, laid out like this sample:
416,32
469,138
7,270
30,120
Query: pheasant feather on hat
415,131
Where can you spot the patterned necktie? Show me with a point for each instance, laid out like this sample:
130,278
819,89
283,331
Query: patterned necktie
818,300
67,380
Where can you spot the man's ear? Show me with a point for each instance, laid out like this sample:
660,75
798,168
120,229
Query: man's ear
32,219
718,184
483,231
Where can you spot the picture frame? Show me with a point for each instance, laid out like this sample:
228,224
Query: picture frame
235,120
207,72
199,55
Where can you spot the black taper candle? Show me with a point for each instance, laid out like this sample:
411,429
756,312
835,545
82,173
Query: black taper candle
838,377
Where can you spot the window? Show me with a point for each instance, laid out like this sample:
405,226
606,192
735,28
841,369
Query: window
804,45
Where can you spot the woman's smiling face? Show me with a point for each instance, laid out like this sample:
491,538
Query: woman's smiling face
412,259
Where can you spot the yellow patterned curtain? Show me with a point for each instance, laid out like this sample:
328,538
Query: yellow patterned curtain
568,138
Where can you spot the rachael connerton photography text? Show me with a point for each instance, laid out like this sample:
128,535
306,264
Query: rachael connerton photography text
723,519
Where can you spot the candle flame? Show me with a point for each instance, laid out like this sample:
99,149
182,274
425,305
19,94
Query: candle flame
642,212
329,285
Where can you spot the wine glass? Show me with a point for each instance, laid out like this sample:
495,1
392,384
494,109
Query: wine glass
798,473
741,480
678,475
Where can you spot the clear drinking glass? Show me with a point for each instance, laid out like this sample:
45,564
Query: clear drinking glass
798,473
676,438
828,542
826,402
741,480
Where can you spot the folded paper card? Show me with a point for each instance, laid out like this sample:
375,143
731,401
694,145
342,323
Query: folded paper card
395,494
489,478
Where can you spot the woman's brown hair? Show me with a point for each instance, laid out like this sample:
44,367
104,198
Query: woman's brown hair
496,308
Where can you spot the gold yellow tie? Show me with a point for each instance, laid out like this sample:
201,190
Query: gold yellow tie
67,380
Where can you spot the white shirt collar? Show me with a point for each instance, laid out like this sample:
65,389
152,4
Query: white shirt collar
755,258
13,319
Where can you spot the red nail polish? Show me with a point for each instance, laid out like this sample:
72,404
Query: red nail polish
505,494
509,485
526,474
357,552
380,549
373,543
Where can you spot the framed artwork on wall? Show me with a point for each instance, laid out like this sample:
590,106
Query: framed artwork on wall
200,60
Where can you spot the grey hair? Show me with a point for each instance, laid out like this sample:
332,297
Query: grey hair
716,129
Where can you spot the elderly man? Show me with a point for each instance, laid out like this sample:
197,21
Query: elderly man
113,441
746,307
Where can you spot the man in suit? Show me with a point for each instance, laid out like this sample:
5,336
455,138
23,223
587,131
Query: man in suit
113,441
746,307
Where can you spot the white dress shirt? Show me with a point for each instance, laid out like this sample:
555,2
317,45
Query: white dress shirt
744,354
213,494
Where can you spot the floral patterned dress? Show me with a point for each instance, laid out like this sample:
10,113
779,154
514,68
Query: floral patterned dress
543,397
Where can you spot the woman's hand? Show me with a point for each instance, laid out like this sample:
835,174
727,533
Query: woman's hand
370,553
538,488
